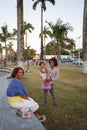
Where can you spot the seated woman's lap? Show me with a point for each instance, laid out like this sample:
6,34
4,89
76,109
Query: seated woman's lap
27,104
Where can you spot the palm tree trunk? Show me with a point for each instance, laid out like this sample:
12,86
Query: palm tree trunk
5,50
44,49
58,51
41,57
20,34
84,67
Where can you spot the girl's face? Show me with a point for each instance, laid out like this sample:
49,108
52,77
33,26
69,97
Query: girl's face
19,75
42,65
52,63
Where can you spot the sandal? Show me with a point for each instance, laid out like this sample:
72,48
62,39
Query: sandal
19,113
43,118
23,114
26,114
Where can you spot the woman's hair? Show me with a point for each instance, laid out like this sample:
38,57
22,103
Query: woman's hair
15,71
54,60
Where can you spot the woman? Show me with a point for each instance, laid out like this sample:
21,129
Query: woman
17,95
53,72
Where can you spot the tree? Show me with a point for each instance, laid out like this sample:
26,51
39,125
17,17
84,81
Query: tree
84,67
59,33
71,45
26,26
4,36
43,8
51,48
46,32
0,50
10,50
20,33
29,53
66,48
29,27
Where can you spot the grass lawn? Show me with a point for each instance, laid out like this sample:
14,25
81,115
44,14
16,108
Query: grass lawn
71,93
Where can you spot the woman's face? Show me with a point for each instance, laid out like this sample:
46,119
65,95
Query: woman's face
52,63
19,75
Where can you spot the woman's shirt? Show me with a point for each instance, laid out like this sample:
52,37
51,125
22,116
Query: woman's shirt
53,73
15,90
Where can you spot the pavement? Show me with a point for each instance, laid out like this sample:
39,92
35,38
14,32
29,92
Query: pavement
8,118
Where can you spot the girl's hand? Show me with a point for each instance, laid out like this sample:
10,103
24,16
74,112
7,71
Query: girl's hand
50,79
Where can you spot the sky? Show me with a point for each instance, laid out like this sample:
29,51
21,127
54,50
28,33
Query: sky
70,11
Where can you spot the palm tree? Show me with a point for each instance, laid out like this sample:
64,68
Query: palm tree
26,26
59,32
84,68
46,32
14,32
29,27
43,8
10,50
20,33
0,50
4,36
66,48
51,48
71,46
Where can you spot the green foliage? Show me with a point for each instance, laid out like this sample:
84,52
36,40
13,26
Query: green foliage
43,3
51,48
64,52
28,26
29,53
59,34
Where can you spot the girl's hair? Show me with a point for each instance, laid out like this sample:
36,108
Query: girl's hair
54,60
41,63
15,71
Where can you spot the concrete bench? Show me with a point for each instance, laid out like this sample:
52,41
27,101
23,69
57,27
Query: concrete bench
8,118
6,69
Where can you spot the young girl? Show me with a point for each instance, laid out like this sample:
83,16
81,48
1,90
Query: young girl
53,72
46,85
44,76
